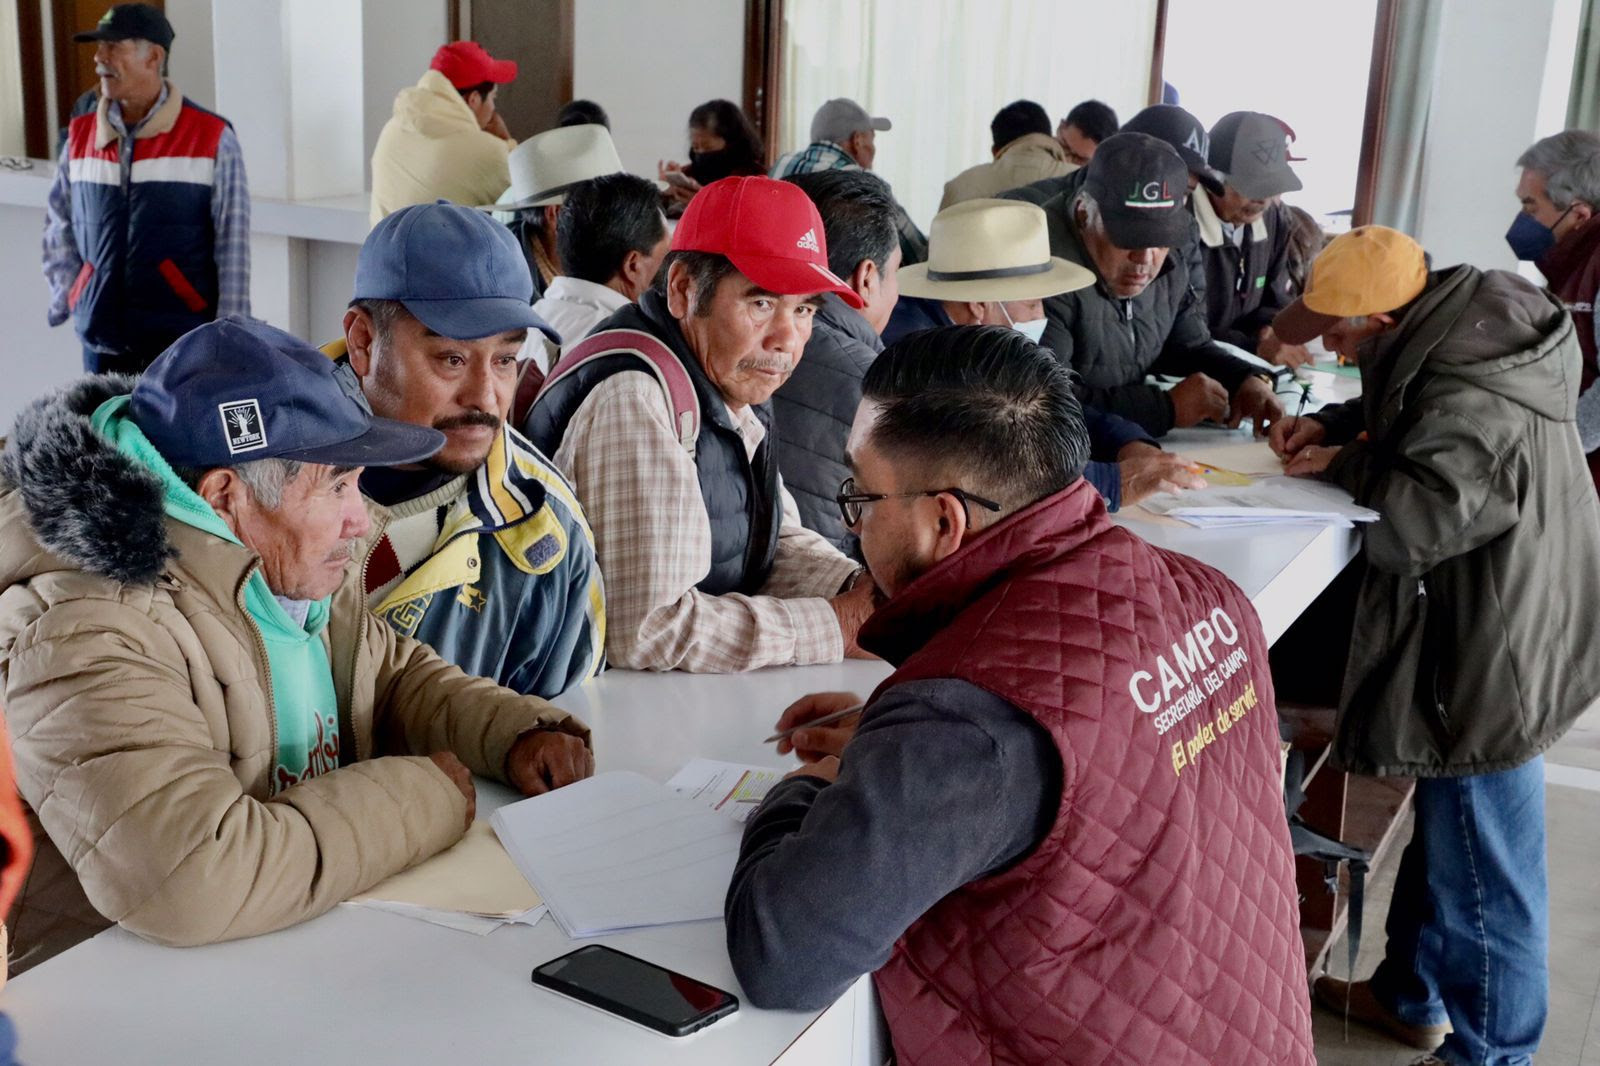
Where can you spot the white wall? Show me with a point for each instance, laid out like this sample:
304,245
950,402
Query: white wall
649,64
398,39
1485,113
192,64
33,357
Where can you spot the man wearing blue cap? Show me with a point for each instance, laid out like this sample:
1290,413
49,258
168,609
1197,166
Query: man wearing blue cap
199,696
483,552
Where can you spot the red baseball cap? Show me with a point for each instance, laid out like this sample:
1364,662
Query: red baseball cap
466,64
769,230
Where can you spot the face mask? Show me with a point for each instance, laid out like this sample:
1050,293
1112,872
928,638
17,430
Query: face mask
1033,329
713,166
1529,238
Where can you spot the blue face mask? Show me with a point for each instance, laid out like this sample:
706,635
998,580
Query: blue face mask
1529,238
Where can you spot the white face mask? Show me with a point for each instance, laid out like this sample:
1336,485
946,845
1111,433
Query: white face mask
1033,329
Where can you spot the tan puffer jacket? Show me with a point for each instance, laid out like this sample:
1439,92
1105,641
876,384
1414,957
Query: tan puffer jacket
134,685
434,149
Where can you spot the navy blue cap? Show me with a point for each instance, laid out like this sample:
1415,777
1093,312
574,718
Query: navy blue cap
457,270
236,390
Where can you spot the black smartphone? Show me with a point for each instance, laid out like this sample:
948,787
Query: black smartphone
640,991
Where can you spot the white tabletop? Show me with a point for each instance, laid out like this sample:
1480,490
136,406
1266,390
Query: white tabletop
358,986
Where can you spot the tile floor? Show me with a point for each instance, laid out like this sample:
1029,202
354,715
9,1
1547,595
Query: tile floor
1572,1036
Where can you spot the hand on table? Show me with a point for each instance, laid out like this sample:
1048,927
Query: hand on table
1147,470
1197,398
1310,461
812,745
827,769
459,776
1255,400
1274,351
1289,435
546,759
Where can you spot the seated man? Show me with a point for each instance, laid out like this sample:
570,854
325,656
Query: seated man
1121,216
1057,835
446,140
990,265
214,732
611,236
665,428
1244,235
543,168
485,554
1085,126
1458,673
1024,152
815,406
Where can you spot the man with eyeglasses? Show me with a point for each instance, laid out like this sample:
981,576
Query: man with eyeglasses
662,419
1057,833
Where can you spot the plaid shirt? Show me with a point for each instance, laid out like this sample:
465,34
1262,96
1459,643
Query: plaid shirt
826,155
641,491
230,217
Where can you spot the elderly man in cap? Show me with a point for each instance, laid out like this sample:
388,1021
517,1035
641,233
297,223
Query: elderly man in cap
1462,666
139,255
844,137
662,420
482,551
445,140
1245,235
544,168
1122,216
215,733
990,265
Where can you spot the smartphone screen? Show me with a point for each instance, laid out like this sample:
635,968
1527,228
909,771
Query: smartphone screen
637,990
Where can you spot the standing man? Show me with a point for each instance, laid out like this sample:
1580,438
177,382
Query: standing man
1245,233
446,141
147,225
1040,852
1560,194
662,420
1123,216
1085,126
1462,440
483,552
844,137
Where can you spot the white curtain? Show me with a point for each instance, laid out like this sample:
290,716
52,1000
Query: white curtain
1413,64
13,139
940,69
1583,105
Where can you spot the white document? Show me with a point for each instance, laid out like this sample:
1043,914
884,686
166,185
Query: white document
1270,501
732,788
619,851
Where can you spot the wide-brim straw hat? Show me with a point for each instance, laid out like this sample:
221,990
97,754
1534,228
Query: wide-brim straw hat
991,250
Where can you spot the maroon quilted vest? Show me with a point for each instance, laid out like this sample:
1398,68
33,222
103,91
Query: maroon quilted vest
1572,268
1158,920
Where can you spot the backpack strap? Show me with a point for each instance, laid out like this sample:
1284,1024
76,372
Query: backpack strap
529,381
657,357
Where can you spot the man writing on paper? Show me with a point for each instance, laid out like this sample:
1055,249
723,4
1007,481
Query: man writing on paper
1458,674
198,695
1057,834
707,565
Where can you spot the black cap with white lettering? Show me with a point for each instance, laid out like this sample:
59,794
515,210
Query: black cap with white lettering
1139,184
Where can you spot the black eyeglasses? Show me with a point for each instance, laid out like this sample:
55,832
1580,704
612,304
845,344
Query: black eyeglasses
851,502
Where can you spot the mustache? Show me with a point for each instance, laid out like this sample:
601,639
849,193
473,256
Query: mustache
470,418
344,553
782,366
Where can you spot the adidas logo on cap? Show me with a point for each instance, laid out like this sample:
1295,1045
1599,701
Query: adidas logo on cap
809,242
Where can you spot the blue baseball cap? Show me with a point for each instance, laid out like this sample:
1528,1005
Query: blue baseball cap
457,270
236,390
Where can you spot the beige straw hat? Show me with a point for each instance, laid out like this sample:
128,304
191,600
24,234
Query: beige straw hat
991,250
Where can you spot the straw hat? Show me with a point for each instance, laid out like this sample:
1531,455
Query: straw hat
991,250
545,166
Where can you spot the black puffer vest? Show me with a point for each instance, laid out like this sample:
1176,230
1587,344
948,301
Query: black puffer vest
741,496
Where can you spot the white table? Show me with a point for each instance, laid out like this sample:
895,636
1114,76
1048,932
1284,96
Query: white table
358,986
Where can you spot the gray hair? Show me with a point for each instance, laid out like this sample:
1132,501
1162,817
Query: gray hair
1091,210
143,50
265,478
1569,161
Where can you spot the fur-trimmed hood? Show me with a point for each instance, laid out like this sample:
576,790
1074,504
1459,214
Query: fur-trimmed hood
81,499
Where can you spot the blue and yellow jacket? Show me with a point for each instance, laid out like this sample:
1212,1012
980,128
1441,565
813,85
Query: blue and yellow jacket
512,590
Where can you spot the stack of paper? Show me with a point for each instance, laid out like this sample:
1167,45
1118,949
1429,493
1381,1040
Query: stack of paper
473,886
732,788
1269,501
619,851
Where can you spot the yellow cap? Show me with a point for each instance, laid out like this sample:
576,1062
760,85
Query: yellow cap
1370,270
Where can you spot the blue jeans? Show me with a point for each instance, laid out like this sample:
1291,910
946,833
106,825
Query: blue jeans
1469,925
